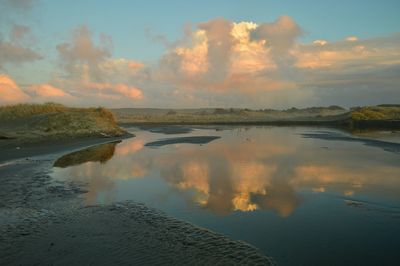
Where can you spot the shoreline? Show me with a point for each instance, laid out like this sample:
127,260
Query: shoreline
14,149
344,124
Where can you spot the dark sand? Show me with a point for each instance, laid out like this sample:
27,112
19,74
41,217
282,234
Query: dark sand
385,145
190,140
45,222
171,129
12,149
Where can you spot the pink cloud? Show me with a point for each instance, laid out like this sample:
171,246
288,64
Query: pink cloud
124,90
47,90
10,93
226,57
128,91
218,63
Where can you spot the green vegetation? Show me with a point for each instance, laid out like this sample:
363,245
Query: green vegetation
38,121
333,115
380,112
381,116
226,115
51,120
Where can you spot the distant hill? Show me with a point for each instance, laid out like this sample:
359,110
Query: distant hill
227,115
31,122
387,115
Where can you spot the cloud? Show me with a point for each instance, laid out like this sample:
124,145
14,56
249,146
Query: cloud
279,35
224,60
19,33
11,10
10,93
219,46
14,12
355,53
82,52
129,91
47,91
220,55
345,69
221,63
122,89
16,49
41,93
21,5
320,42
224,63
352,39
90,71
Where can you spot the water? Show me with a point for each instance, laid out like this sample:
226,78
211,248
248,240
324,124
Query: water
305,196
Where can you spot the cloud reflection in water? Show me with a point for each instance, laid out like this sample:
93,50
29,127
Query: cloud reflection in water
256,169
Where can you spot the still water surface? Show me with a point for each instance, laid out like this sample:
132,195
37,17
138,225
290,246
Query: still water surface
305,196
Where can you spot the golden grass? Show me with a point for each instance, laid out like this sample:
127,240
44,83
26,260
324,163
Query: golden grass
224,115
376,113
11,112
25,110
52,119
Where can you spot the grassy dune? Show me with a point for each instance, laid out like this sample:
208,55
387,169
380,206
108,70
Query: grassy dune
381,116
380,112
41,121
30,122
231,115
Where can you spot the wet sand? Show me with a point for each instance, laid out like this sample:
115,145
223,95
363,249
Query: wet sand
12,149
385,145
46,222
187,140
168,129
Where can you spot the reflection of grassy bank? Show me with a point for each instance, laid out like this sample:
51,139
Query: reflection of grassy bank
37,122
101,153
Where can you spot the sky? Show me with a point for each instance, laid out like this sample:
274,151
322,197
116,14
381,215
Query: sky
185,54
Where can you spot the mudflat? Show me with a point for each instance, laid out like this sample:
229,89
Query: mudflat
43,221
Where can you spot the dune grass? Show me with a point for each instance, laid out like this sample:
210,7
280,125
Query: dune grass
225,115
380,112
331,114
30,121
11,112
